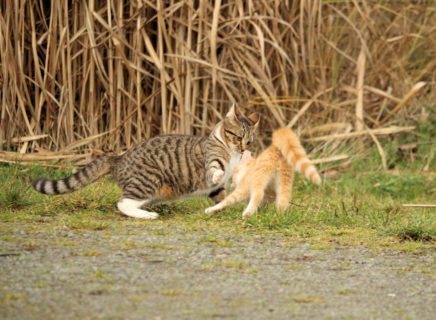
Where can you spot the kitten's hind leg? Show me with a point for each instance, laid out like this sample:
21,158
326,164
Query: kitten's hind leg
131,208
284,186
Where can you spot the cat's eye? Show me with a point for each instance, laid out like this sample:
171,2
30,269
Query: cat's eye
248,143
229,132
233,134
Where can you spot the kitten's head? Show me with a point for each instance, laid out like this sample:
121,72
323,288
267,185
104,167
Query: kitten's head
237,131
244,165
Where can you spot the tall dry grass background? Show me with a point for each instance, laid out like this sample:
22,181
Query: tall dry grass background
78,77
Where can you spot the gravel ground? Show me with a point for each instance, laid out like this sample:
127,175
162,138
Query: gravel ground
151,273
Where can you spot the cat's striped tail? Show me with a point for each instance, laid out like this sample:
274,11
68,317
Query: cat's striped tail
289,145
90,173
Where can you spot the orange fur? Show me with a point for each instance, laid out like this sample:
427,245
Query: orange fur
166,192
289,144
275,165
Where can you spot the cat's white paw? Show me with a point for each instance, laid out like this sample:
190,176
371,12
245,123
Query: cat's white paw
141,214
217,176
247,214
213,209
209,210
146,215
130,208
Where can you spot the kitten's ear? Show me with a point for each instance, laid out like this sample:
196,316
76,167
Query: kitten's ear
233,112
254,118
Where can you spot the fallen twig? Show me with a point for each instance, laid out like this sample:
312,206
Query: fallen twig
15,156
28,138
42,164
419,205
403,102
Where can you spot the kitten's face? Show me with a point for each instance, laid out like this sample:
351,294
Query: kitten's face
238,131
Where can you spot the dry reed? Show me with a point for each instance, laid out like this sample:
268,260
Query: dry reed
78,76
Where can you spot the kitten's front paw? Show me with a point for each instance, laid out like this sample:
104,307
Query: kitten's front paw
246,214
211,210
217,176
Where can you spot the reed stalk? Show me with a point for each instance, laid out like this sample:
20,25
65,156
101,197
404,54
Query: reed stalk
85,75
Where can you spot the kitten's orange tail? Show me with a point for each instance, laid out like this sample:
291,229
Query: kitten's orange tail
289,145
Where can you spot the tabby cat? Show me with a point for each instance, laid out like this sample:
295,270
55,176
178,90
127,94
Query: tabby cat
274,167
168,166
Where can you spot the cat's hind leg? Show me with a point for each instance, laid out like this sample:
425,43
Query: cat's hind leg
131,208
138,191
256,194
285,178
261,177
255,199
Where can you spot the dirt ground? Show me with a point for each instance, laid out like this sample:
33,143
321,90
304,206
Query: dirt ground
154,273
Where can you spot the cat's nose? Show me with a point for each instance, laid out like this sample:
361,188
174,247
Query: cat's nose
242,149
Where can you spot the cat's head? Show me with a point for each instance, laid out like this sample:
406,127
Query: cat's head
244,165
237,131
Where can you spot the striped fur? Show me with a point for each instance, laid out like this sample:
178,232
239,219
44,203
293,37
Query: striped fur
168,166
274,167
78,180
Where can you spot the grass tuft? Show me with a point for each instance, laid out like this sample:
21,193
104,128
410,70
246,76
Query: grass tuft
14,191
415,232
13,197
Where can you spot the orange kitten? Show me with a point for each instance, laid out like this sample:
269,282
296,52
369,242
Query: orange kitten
275,166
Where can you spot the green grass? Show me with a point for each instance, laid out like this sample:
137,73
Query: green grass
361,207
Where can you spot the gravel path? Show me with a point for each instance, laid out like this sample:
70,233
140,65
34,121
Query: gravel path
151,273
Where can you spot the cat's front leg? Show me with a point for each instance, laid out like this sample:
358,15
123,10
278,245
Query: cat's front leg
217,176
214,176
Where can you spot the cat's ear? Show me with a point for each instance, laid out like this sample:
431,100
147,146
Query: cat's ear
234,112
254,118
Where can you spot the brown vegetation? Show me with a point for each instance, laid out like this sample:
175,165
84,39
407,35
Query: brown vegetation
80,76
